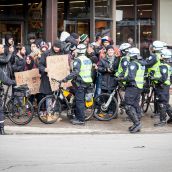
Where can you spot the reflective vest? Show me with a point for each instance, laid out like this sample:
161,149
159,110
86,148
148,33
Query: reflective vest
120,69
156,65
139,78
86,68
158,74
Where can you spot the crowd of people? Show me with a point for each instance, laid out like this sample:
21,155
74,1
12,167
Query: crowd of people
99,64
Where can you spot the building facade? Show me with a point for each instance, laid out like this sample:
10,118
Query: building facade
143,20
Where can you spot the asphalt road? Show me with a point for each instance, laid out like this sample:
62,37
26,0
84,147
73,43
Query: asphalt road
86,153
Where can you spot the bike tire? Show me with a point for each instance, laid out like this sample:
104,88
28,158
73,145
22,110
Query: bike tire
102,114
51,114
20,115
89,111
145,102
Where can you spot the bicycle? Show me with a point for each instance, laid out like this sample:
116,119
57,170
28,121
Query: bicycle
148,96
50,107
18,108
105,103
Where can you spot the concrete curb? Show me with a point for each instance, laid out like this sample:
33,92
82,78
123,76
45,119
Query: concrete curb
12,130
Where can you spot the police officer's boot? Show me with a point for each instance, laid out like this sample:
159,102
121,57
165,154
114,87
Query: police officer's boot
162,111
169,112
134,118
2,132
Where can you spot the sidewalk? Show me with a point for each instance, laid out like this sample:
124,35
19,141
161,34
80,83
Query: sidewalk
115,126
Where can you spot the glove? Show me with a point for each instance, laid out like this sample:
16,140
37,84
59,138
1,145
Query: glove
13,83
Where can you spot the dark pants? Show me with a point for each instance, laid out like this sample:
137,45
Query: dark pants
162,97
80,103
1,114
132,98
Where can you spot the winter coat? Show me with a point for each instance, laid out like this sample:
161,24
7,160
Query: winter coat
19,64
45,87
5,63
108,81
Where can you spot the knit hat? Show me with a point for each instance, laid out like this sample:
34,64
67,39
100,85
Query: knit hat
83,37
109,47
74,35
57,43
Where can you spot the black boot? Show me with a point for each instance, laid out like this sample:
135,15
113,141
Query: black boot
162,113
169,112
131,112
2,132
169,121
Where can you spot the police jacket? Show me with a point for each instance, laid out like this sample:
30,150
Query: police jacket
4,79
107,71
77,74
123,64
162,75
135,74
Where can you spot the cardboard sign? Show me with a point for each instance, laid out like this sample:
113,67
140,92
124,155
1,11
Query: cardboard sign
31,78
58,68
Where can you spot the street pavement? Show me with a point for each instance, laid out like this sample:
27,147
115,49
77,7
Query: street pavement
115,126
86,153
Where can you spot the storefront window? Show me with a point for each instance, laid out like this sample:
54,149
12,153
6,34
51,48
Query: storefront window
135,18
103,8
73,16
35,18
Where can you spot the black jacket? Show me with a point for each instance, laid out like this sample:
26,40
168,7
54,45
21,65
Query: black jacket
108,81
5,64
45,87
5,80
19,64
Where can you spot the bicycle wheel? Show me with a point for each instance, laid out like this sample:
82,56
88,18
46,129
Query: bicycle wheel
20,111
89,111
101,112
49,109
145,102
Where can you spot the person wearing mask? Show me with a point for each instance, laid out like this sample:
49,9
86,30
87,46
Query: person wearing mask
20,60
134,78
4,79
81,77
162,83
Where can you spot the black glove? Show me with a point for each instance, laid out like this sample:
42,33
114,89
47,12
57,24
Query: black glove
13,83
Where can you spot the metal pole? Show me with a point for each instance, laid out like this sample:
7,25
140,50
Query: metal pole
135,23
139,35
92,20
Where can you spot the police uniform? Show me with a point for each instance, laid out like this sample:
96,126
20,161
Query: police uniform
123,64
162,86
134,78
81,77
6,81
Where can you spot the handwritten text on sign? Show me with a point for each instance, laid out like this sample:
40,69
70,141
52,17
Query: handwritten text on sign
31,78
58,68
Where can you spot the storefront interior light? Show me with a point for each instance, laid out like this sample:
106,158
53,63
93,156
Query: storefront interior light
11,5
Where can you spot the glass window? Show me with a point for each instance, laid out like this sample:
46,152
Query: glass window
135,19
103,8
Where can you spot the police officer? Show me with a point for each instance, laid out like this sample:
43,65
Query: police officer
162,85
134,78
81,77
6,81
124,61
154,60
